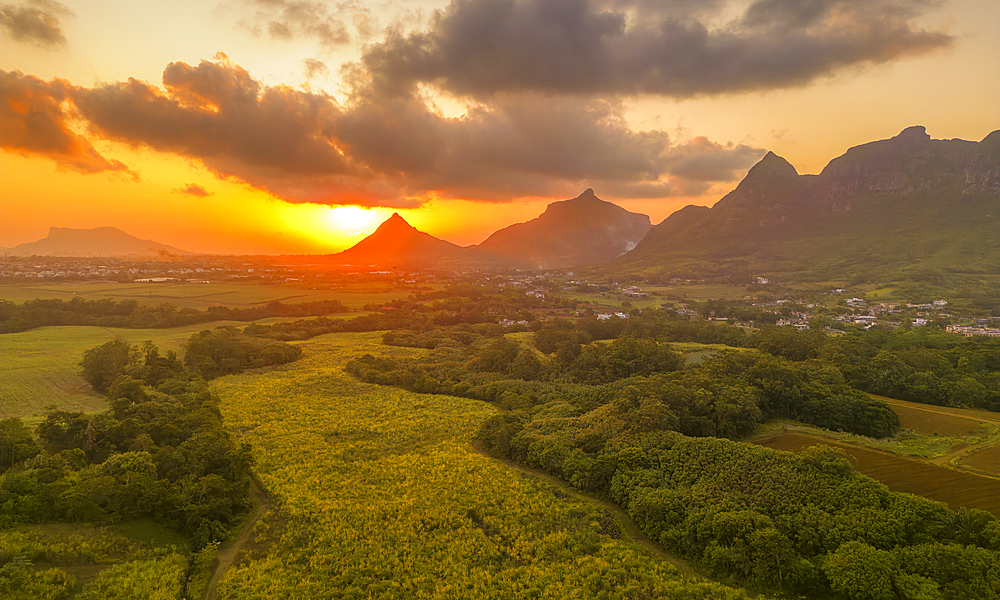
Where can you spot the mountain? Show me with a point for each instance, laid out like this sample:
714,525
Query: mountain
579,231
902,206
100,241
397,243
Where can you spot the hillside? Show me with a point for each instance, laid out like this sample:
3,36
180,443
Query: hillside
100,241
397,243
579,231
907,206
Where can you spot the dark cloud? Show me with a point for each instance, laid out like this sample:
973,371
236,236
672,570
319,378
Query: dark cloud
292,19
484,47
315,68
34,122
193,189
269,137
37,22
302,146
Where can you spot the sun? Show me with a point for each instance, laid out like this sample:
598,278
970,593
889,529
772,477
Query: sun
350,218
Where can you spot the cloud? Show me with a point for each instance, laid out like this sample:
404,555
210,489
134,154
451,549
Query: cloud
481,48
35,121
36,22
302,146
315,68
193,189
294,19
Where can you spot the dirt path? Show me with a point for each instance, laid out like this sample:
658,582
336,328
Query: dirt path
625,523
227,555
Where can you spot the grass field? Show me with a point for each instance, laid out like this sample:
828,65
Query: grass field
203,295
383,496
40,367
955,488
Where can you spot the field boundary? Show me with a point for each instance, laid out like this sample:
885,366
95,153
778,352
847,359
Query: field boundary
625,522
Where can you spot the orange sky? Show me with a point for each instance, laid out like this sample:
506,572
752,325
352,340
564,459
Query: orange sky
312,108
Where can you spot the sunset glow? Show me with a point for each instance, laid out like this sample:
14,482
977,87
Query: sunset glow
259,129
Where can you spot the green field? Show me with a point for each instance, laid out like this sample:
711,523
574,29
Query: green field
40,368
383,496
203,295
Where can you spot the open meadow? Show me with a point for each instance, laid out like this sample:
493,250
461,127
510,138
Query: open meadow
40,368
202,295
379,493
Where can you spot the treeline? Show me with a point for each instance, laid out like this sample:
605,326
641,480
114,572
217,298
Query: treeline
136,315
800,524
160,451
638,382
918,365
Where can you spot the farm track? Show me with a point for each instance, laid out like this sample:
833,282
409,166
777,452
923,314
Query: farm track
625,523
228,555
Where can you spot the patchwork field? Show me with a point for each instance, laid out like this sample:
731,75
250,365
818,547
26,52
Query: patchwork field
40,368
203,295
382,495
955,488
941,420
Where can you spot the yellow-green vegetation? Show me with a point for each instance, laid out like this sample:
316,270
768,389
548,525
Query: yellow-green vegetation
380,494
137,560
157,579
41,367
203,295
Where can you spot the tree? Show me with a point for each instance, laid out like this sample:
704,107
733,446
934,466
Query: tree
861,572
16,443
103,364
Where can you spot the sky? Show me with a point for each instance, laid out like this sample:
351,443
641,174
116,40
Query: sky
297,126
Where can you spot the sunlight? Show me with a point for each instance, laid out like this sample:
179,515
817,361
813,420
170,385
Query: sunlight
350,218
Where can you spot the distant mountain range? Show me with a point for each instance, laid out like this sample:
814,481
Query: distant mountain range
908,204
584,230
571,232
100,241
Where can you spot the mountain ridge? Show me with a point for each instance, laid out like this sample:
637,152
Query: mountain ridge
880,205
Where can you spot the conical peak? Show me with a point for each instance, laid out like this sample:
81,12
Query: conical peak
395,222
587,195
772,164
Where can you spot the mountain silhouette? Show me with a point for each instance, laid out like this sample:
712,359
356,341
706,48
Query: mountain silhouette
579,231
100,241
397,243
